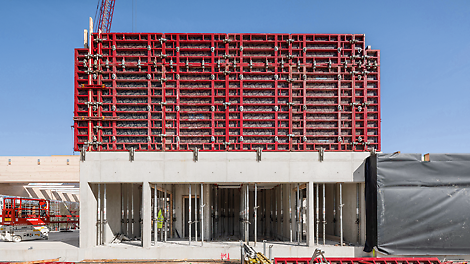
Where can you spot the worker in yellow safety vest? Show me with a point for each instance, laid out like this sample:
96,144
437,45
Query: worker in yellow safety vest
160,219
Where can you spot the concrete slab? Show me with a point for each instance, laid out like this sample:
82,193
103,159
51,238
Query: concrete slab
64,246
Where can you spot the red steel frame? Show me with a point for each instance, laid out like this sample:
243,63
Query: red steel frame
218,92
409,260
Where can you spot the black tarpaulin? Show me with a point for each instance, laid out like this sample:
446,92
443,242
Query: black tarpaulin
420,207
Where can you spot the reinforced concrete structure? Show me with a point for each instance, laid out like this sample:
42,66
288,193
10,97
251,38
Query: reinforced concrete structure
203,140
295,200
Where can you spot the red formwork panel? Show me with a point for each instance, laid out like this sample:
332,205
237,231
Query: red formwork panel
235,92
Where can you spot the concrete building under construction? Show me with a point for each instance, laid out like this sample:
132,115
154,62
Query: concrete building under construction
203,139
190,143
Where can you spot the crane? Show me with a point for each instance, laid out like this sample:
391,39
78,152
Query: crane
104,16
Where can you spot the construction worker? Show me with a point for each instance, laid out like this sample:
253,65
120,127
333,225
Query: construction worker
160,219
42,208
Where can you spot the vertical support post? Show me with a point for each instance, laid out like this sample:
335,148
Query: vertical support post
358,220
207,211
160,207
172,208
195,213
276,226
232,212
189,220
128,211
229,212
123,210
157,200
265,213
317,210
290,212
202,214
341,212
155,209
271,213
226,218
247,206
264,247
216,213
298,216
324,217
282,213
255,210
104,222
98,222
165,217
132,211
334,209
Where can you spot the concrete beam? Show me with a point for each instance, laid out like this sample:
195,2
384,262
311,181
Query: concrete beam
172,167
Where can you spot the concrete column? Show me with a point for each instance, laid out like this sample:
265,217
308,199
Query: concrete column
207,212
269,223
128,209
124,209
88,209
310,215
146,215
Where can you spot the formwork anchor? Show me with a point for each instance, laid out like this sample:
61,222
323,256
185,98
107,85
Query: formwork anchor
83,153
131,154
196,155
321,153
258,154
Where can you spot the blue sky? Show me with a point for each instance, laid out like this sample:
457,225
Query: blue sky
425,60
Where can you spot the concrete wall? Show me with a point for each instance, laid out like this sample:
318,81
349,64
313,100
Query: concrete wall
49,169
176,167
113,211
213,167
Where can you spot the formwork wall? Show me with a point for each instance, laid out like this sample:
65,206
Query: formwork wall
238,92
